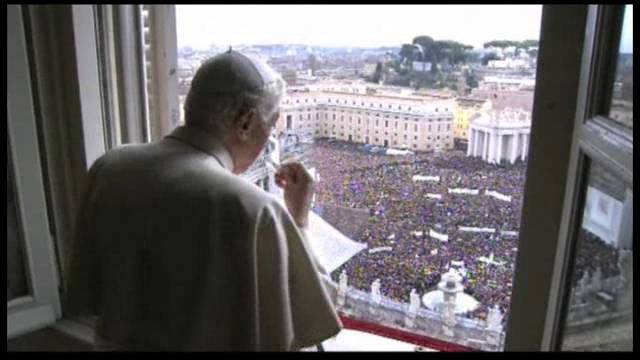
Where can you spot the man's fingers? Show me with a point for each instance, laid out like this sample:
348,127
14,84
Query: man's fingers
280,180
283,174
289,172
295,172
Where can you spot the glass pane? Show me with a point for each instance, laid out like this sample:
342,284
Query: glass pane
17,281
621,110
600,313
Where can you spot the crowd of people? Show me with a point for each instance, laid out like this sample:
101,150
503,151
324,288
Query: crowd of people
373,199
592,255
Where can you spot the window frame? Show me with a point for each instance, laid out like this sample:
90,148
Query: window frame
596,139
553,122
42,307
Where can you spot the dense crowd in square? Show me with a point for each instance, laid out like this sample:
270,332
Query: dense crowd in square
372,199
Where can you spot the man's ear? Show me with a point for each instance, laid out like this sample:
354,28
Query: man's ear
244,124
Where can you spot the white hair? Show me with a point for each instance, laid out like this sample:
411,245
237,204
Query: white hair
216,114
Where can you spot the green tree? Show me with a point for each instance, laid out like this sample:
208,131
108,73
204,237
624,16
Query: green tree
377,75
488,57
528,43
407,52
453,51
429,48
525,44
500,43
470,79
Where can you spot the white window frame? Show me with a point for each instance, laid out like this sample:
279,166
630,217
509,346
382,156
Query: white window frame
80,111
162,59
42,307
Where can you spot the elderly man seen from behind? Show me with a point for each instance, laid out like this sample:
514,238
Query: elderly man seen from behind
174,251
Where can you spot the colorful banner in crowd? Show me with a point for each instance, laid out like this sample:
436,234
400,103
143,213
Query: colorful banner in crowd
438,236
398,152
380,249
509,233
498,195
464,191
425,178
476,229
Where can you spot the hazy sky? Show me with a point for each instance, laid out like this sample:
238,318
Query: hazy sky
353,25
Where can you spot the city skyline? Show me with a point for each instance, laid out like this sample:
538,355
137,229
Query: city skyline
351,25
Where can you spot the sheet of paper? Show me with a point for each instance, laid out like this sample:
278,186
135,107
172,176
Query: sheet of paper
330,246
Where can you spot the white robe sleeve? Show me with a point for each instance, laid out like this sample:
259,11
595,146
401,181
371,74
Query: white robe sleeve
294,305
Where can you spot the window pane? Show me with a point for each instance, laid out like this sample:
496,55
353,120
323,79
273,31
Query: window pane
600,312
17,281
621,110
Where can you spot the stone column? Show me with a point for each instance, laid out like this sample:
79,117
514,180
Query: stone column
492,147
474,150
342,289
514,148
499,154
485,144
469,142
523,154
474,142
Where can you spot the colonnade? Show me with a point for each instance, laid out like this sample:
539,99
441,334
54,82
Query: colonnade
496,145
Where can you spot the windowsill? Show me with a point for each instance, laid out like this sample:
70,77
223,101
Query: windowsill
353,340
76,329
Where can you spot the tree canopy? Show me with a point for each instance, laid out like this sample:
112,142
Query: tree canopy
377,75
488,57
507,43
407,52
435,51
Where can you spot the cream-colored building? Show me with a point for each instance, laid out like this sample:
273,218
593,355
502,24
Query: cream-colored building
500,135
495,83
364,114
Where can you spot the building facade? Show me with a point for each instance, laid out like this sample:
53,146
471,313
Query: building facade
362,114
466,107
500,136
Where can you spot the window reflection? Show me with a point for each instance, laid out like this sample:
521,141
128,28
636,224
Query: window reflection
600,313
621,110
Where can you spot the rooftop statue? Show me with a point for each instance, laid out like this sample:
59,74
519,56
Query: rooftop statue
494,318
414,301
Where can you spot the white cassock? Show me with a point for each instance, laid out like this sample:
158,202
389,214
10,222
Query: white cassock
174,252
